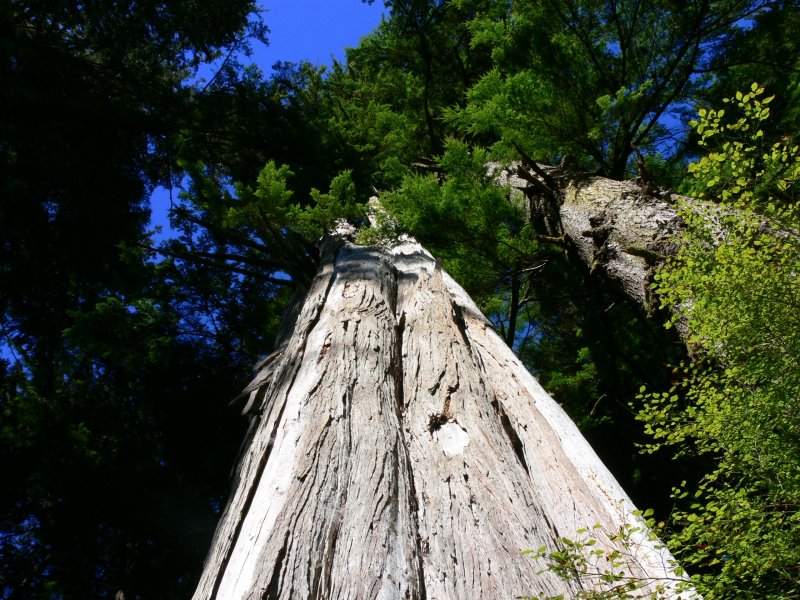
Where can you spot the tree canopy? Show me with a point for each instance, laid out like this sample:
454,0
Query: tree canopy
120,355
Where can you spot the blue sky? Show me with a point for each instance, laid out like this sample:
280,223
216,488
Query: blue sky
314,30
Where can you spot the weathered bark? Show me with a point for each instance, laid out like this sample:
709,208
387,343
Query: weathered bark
400,450
619,229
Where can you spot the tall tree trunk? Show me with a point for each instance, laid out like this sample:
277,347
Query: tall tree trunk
399,449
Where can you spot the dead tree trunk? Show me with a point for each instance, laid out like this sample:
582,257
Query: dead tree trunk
399,449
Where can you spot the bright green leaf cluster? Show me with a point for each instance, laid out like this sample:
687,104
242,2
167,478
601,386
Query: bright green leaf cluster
734,286
467,220
269,207
739,167
600,562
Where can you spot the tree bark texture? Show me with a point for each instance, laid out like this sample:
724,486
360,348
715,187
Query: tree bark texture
620,230
399,449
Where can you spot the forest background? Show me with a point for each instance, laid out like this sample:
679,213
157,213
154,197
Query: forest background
123,350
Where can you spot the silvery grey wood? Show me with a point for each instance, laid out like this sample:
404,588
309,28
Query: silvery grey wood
399,449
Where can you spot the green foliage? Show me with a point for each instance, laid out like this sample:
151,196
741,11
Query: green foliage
767,51
114,443
117,447
374,111
581,382
733,285
318,218
600,562
467,220
381,111
589,79
745,173
265,231
269,206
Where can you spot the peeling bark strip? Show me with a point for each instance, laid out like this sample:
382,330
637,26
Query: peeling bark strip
400,450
